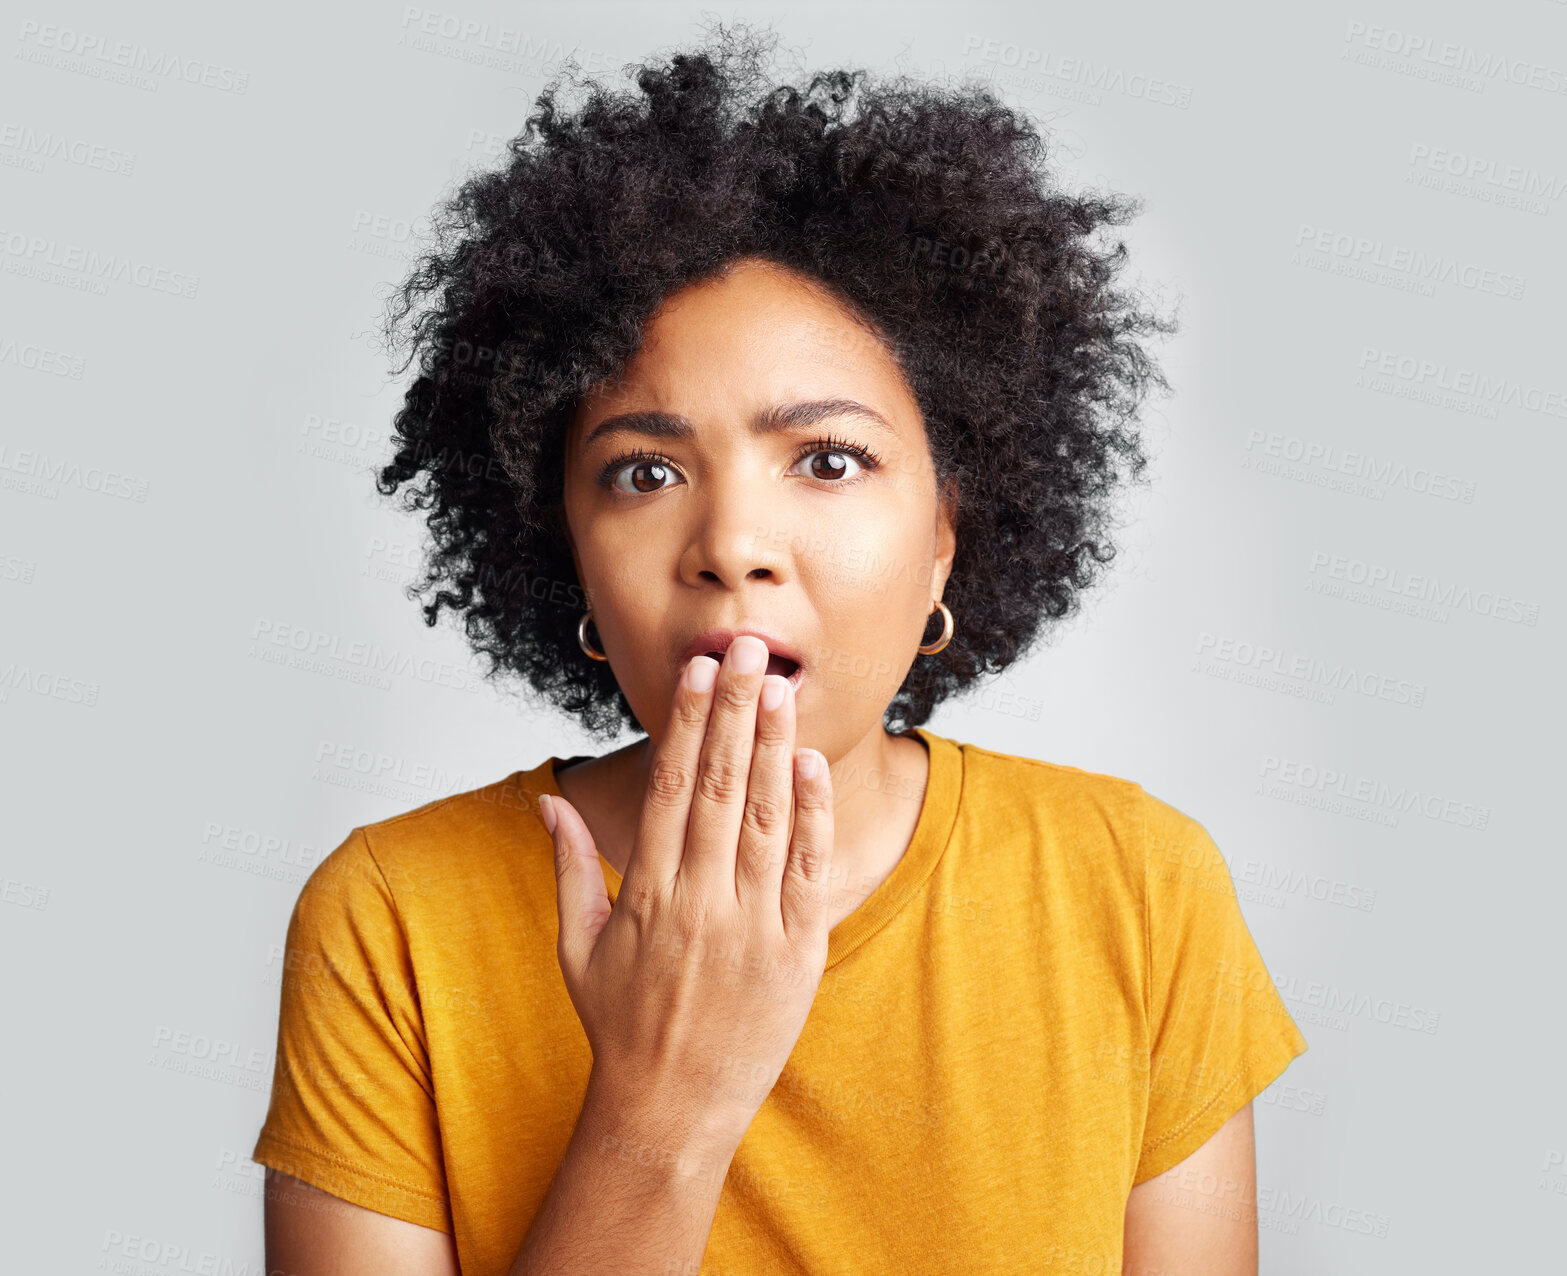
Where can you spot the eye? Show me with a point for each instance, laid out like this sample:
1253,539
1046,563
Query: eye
839,465
831,460
836,462
637,473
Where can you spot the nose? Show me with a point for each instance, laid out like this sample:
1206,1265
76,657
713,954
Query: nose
734,536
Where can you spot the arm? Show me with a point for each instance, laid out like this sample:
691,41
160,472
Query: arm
1199,1217
635,1193
309,1231
631,1195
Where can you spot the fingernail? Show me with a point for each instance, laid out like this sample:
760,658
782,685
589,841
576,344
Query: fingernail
547,810
701,672
748,654
808,763
773,688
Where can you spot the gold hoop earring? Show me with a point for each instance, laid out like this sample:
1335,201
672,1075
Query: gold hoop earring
588,648
946,630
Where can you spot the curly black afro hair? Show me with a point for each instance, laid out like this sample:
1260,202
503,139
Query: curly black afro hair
930,211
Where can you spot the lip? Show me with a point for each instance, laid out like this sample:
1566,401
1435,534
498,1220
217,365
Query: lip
719,639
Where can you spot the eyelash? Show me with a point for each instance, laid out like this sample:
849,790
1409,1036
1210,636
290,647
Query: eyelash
830,443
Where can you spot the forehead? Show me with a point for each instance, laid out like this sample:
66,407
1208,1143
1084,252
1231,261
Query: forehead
760,333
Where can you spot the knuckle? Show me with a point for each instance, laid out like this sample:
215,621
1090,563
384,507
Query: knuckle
772,748
668,780
688,714
641,900
770,733
764,815
812,796
733,694
722,779
807,858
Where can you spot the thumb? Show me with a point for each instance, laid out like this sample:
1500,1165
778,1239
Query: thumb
580,895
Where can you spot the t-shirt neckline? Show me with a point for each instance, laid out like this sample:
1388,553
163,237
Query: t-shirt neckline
932,832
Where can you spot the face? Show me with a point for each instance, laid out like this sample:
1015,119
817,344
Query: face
760,465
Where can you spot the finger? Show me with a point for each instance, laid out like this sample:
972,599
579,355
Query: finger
660,840
724,770
803,897
769,801
581,898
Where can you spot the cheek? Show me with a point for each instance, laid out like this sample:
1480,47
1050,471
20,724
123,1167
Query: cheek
876,566
627,593
614,557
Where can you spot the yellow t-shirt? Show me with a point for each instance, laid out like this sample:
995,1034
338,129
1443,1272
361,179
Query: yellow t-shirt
1053,996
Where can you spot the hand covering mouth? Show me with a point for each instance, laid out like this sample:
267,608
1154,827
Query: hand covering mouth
781,665
781,658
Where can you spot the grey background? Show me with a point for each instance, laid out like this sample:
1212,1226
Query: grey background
184,473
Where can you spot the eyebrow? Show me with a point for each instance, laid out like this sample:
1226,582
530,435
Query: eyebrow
773,419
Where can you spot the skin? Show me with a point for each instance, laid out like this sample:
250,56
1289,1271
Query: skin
741,530
733,526
1175,1228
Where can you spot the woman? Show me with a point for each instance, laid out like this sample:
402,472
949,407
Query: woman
764,421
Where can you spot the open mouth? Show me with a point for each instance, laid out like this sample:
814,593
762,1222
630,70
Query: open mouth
777,664
716,640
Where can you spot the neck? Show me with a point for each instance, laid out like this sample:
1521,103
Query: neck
878,794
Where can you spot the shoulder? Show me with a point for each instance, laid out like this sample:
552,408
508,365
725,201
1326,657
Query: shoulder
1071,792
1069,797
463,826
389,866
1091,824
486,805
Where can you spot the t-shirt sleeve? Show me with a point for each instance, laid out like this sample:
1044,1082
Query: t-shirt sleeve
1219,1032
352,1110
